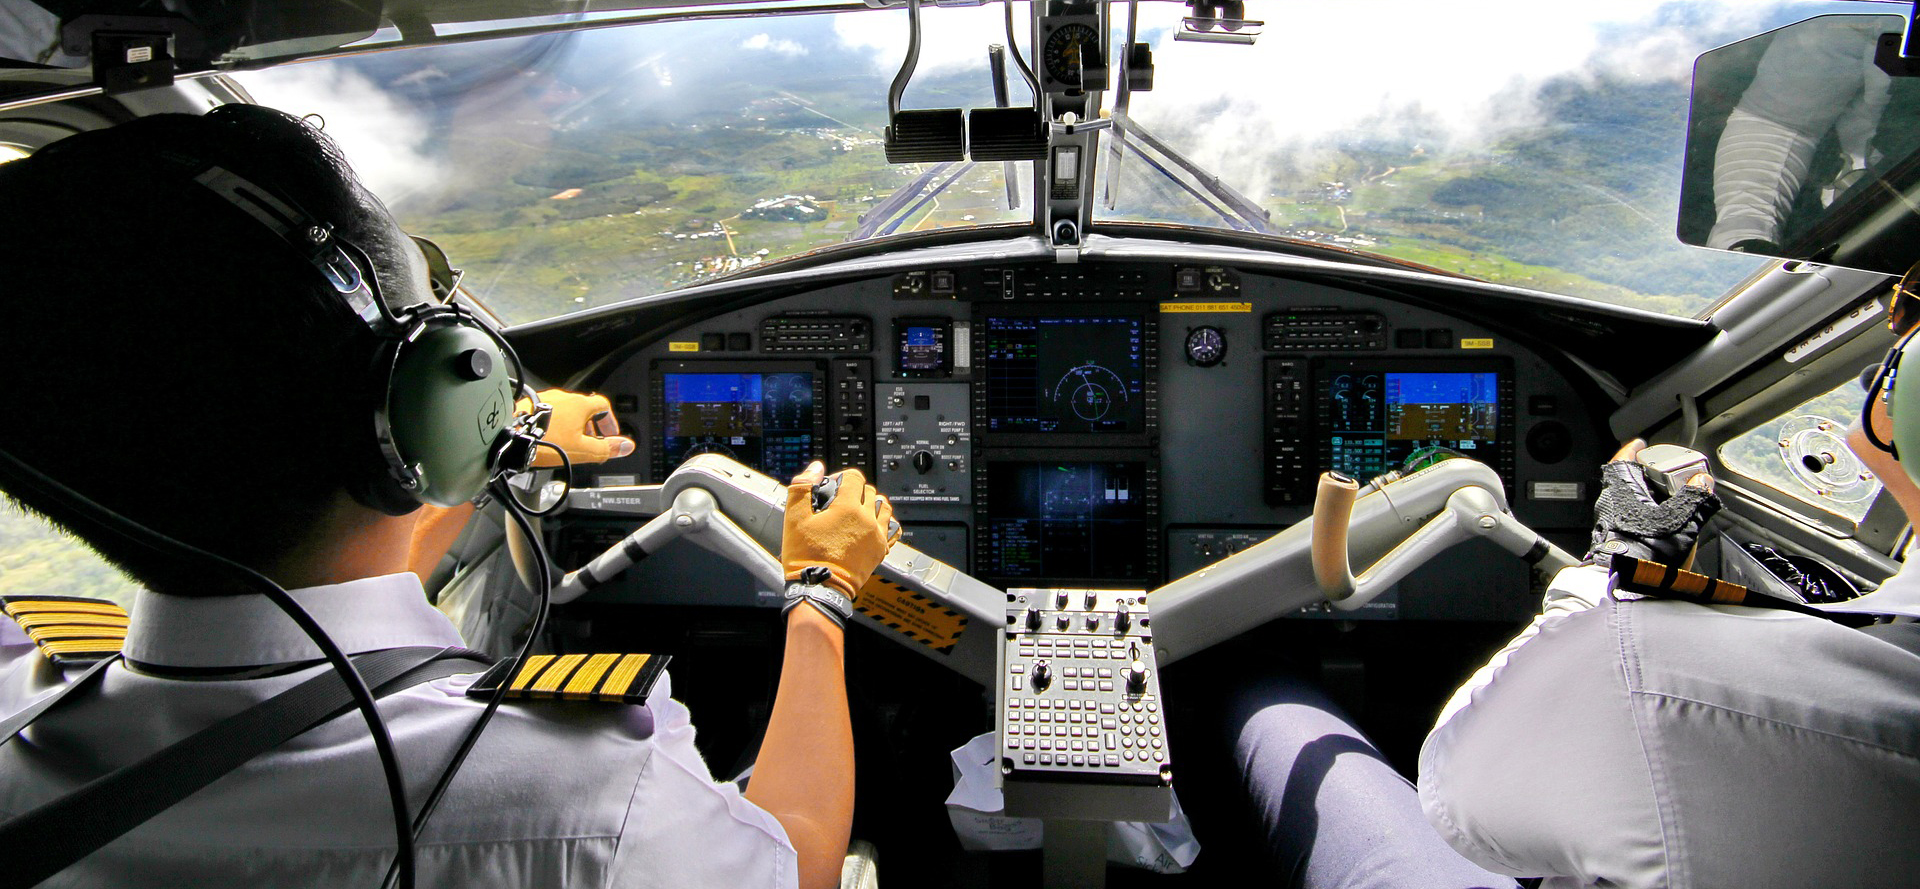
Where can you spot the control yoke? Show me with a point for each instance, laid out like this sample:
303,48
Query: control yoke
1392,524
1471,511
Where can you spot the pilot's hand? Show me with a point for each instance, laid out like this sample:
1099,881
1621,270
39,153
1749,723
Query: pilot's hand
1629,521
849,537
581,425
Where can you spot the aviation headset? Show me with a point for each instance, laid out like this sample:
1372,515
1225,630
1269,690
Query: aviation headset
440,386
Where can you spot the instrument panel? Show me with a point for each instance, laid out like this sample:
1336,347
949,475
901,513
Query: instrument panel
1109,423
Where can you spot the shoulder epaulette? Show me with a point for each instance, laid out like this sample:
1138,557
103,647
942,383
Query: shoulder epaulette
69,630
608,678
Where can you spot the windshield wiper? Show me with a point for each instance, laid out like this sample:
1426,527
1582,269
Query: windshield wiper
1236,209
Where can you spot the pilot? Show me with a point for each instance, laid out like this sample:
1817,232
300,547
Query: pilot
1622,741
181,365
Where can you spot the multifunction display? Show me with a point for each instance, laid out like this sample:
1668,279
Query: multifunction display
1364,417
769,419
1064,373
1372,418
1068,520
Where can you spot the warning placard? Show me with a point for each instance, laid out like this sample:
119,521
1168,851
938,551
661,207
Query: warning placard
911,614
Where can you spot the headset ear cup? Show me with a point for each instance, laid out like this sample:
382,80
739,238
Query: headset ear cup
373,481
448,399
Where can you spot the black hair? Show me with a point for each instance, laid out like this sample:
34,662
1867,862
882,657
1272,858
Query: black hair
180,363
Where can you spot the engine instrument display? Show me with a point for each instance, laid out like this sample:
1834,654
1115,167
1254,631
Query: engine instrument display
1373,416
1063,373
1067,520
765,417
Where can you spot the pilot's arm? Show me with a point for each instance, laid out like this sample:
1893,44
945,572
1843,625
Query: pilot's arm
1536,766
804,773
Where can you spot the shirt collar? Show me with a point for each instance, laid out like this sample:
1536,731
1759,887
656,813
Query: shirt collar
368,614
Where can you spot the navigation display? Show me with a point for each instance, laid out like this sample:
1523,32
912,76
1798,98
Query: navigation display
1058,520
766,420
1063,373
1372,419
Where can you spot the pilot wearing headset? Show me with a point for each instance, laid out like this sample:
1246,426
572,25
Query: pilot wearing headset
185,316
1635,742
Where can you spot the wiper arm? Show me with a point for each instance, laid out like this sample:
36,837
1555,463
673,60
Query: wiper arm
1232,219
1239,211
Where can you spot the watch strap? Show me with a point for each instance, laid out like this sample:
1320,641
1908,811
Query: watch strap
831,602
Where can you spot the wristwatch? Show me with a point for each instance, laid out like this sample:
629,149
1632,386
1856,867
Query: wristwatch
812,587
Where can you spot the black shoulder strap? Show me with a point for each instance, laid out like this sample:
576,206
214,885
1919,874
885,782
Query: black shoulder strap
12,725
48,839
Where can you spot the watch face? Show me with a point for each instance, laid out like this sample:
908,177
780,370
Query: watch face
1063,52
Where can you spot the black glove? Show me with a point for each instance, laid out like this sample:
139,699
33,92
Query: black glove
1628,522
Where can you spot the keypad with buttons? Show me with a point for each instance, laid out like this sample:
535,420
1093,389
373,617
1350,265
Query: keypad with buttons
1081,698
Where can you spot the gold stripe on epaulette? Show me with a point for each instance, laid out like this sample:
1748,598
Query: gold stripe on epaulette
623,675
19,606
550,681
42,634
528,671
69,619
78,648
586,680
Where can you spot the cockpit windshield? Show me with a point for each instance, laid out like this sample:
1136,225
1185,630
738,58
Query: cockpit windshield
1537,147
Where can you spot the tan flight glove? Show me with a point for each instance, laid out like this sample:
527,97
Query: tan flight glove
582,425
849,537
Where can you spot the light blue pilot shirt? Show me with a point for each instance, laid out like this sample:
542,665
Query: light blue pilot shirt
1641,743
559,794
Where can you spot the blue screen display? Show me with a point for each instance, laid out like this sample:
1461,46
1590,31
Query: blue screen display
764,420
1371,421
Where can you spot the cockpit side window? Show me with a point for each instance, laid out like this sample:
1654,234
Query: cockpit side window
1803,453
37,559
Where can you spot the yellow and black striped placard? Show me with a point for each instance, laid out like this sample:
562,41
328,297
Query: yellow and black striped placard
911,614
608,678
69,630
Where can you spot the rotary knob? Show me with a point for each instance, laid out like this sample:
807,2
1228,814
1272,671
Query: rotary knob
1060,621
922,462
1093,598
1033,618
1042,676
1137,677
1122,618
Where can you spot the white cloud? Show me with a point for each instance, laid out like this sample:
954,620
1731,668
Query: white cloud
1463,72
383,138
766,42
951,39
